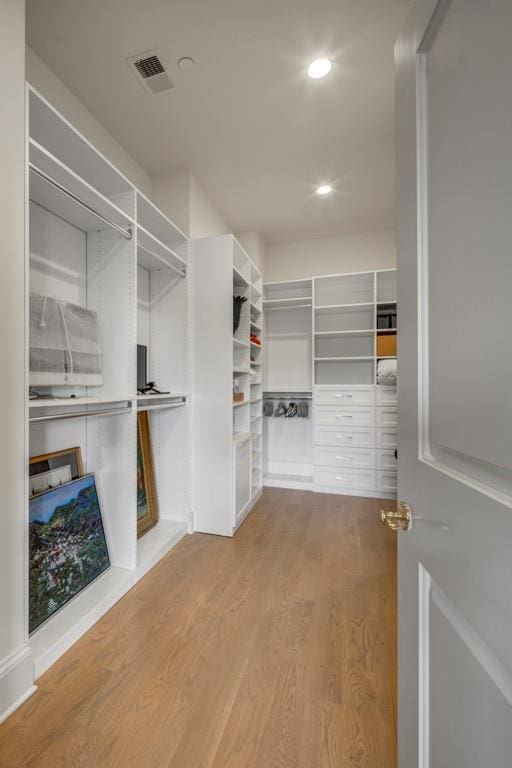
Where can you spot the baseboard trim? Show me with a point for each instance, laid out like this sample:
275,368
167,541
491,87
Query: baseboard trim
16,681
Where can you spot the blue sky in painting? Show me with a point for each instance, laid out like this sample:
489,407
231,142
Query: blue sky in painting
42,507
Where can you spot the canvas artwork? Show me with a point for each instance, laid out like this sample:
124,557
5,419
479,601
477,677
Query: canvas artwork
147,507
67,546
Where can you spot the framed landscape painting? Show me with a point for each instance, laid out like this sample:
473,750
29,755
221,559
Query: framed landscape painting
67,546
53,469
147,506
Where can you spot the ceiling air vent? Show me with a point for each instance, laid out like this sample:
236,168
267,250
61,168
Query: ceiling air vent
150,72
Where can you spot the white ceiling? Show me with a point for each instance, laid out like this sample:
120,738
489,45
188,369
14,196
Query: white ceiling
254,130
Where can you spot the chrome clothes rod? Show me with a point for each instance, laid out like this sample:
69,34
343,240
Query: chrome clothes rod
288,396
294,306
161,406
181,272
81,414
127,233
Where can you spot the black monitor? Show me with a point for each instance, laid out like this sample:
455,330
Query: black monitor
142,366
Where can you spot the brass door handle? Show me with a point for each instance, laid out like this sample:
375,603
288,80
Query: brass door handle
399,518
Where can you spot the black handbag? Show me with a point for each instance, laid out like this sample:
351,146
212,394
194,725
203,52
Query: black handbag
238,302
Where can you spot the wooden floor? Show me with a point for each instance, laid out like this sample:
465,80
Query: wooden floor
275,649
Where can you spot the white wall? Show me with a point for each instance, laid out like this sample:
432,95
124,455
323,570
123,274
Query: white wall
59,96
330,255
182,198
205,219
15,657
255,247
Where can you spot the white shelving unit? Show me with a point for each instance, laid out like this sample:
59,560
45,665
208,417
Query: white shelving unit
226,435
96,241
322,335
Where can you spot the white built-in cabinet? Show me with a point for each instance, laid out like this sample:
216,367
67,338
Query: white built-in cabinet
226,434
321,344
94,240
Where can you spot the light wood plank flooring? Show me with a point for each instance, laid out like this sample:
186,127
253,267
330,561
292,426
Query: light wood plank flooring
275,649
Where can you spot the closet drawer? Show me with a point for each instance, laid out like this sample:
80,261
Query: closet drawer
355,479
386,460
387,481
386,395
386,438
356,458
349,416
358,438
345,396
387,417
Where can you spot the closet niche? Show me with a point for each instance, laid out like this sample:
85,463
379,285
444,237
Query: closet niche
106,270
332,339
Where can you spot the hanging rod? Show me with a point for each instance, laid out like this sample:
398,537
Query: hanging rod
161,406
294,306
287,396
181,272
80,414
127,233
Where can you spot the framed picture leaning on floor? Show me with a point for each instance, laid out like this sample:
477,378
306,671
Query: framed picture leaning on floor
50,470
147,503
67,546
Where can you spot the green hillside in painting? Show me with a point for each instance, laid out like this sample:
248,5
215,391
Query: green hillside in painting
67,548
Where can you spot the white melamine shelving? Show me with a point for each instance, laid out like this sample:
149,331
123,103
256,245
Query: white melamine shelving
95,241
321,335
225,487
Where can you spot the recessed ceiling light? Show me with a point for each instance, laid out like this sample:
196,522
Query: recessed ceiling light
319,68
324,189
186,64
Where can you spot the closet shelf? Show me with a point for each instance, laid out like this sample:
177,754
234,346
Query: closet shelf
240,343
255,326
255,363
157,224
342,359
364,331
153,254
72,402
291,303
257,346
241,370
321,307
239,281
241,404
58,189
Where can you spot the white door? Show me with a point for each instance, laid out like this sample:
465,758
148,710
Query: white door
454,146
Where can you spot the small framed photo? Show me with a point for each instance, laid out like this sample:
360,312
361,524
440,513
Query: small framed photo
147,504
51,470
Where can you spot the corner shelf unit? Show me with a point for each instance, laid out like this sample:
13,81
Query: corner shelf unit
226,434
323,334
94,240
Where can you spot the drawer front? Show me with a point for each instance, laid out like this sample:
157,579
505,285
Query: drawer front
345,396
386,459
356,479
387,481
386,396
357,438
355,458
386,438
348,416
387,417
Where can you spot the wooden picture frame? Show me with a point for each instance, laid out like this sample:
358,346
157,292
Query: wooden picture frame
50,470
147,502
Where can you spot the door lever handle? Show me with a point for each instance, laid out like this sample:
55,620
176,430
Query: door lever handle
399,518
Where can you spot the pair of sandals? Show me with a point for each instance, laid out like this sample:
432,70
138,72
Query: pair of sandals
288,411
